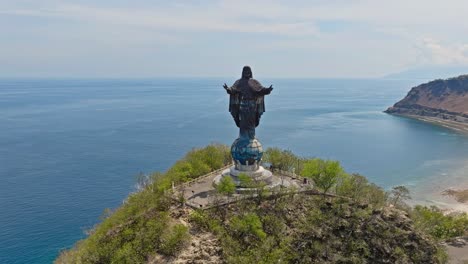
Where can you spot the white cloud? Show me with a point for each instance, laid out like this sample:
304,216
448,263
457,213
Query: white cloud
181,18
440,54
374,37
282,17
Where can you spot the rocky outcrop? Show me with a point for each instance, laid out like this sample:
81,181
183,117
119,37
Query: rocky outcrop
441,99
202,248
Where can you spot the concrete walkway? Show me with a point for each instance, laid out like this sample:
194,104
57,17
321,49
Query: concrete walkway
458,251
202,194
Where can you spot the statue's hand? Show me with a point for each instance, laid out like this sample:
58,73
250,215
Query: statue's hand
227,89
270,89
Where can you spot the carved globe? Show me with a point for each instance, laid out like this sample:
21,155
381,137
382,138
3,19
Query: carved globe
246,150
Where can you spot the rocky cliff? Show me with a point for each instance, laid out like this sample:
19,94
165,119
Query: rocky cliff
439,99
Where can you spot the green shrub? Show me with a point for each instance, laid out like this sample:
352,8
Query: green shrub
173,240
199,218
226,186
324,173
246,181
247,226
358,188
440,226
283,159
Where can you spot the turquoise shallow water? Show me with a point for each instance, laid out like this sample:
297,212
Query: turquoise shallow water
70,148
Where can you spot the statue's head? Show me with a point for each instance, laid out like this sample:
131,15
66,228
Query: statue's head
246,72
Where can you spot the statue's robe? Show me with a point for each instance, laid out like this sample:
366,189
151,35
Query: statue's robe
246,104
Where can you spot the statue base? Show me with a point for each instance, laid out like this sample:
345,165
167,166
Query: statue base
259,175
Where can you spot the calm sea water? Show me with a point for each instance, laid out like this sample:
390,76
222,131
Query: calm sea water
70,148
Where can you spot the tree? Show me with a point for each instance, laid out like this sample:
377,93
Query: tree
273,156
226,186
282,159
324,173
399,194
358,188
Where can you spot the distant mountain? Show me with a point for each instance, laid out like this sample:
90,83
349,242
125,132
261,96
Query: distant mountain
444,102
429,73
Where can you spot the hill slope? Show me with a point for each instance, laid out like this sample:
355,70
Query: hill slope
441,99
355,224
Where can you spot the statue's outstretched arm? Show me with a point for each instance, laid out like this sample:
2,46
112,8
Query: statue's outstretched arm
230,90
268,90
265,91
259,89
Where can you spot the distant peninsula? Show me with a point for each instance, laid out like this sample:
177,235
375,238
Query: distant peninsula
442,102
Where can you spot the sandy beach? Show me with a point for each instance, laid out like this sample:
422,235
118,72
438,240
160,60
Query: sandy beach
433,190
454,125
444,202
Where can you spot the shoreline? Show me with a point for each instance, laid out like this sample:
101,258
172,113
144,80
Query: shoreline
460,195
445,198
446,207
434,191
453,125
445,202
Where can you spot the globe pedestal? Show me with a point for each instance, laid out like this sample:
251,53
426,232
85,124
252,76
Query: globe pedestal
247,155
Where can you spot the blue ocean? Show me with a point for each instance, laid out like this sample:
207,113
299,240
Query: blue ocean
71,148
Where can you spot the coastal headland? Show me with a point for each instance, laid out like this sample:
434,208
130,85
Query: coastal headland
440,102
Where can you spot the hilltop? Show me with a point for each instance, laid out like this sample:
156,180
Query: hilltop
354,221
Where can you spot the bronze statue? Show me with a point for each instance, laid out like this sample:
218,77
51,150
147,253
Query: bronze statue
246,102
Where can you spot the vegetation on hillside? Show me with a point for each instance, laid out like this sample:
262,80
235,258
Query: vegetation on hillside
142,226
309,229
357,222
439,225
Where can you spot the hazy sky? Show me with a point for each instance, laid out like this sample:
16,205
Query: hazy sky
306,38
